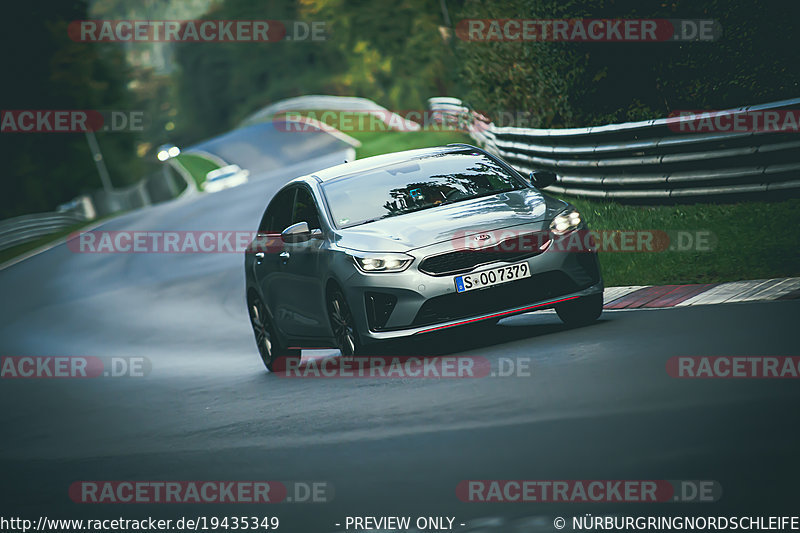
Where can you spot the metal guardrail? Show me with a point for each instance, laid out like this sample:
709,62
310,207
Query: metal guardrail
658,159
158,187
155,188
25,228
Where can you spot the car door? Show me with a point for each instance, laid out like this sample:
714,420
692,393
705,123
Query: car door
301,277
267,266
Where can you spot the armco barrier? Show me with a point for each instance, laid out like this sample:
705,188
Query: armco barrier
153,189
656,159
158,187
25,228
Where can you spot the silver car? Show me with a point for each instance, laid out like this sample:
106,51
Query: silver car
411,243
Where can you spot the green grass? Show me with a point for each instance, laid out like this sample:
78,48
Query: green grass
14,251
198,166
749,240
376,143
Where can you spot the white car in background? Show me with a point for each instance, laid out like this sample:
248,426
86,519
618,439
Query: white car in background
225,178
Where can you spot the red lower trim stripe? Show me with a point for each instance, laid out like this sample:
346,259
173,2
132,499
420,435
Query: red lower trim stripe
504,313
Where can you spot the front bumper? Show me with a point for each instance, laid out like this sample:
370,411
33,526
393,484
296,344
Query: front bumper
423,303
384,335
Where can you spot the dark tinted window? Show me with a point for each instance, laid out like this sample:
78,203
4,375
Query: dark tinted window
278,215
414,185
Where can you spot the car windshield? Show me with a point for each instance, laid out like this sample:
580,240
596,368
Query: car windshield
414,185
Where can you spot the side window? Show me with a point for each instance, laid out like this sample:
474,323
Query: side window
278,215
305,210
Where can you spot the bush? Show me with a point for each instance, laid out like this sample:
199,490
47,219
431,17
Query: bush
567,84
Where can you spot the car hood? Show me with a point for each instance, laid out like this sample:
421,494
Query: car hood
439,224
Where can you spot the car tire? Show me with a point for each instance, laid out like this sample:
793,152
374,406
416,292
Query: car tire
274,355
582,311
345,332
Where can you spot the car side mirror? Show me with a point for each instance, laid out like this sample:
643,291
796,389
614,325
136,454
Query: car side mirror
542,178
299,232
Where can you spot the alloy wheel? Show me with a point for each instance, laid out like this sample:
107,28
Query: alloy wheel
342,324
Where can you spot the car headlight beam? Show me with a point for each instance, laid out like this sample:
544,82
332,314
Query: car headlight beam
566,222
381,262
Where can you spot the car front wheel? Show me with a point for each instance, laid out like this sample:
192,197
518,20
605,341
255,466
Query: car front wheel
582,311
343,325
274,356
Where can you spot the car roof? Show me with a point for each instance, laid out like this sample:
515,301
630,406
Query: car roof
371,163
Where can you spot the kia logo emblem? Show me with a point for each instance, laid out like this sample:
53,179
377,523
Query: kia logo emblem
483,237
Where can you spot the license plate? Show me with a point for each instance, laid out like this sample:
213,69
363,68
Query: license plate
494,276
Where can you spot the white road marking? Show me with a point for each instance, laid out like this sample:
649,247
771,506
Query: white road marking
722,292
770,291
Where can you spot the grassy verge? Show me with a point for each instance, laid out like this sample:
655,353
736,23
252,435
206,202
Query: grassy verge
376,143
198,166
750,240
20,249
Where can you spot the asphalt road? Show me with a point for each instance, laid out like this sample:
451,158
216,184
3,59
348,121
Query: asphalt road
267,146
598,403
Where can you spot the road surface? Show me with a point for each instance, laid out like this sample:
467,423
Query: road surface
597,403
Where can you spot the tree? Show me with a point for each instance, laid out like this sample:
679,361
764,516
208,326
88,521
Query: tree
45,70
580,84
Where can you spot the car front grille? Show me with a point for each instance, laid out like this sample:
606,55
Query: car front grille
454,306
459,261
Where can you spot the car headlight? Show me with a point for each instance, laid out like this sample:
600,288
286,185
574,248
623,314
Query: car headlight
565,222
381,261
